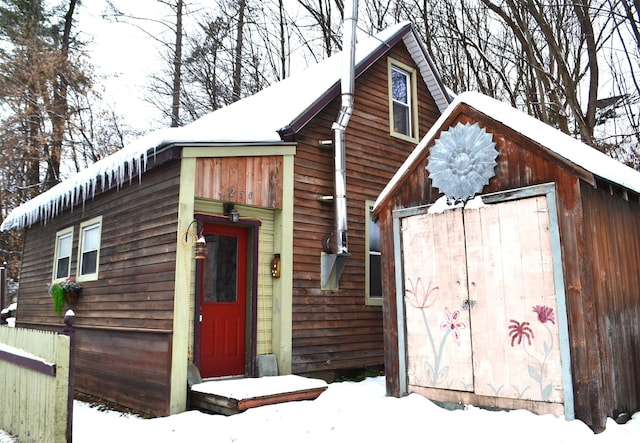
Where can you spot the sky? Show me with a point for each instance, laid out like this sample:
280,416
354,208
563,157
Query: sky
345,412
124,56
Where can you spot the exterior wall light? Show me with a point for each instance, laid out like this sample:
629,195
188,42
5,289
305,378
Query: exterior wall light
201,243
201,248
231,212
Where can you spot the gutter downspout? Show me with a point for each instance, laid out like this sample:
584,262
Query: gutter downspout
333,264
340,125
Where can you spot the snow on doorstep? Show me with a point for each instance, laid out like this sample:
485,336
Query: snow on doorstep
246,388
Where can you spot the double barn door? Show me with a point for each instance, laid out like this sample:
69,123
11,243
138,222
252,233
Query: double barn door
480,301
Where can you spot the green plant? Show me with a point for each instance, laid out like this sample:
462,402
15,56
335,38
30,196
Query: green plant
59,291
58,298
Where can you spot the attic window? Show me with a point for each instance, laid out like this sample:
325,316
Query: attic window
402,101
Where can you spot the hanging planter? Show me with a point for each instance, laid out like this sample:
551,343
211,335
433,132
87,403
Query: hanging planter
65,293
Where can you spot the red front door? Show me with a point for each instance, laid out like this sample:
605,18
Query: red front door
223,284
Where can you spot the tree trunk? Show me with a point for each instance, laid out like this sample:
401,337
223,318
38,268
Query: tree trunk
237,68
177,68
59,112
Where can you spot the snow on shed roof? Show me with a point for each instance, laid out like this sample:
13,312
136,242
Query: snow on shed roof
263,117
574,151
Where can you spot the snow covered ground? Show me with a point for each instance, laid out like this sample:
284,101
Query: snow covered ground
346,412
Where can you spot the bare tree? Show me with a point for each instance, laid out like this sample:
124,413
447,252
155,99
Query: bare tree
41,71
168,82
325,19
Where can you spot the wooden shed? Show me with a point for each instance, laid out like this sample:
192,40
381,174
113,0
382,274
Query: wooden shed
256,181
510,263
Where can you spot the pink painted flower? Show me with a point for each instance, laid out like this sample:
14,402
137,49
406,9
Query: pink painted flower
545,314
519,330
452,323
420,298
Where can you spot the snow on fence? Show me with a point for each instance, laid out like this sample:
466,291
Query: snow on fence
34,389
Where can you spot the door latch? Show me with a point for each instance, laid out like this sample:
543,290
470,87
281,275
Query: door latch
200,318
468,304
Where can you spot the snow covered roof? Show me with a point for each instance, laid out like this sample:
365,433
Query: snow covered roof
264,117
565,146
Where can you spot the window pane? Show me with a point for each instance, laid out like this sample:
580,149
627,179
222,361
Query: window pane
89,262
374,236
399,81
401,118
62,270
91,239
64,246
221,269
375,276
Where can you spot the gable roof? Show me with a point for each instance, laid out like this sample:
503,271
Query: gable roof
565,147
272,115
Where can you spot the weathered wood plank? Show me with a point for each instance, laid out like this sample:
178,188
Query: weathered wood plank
248,180
232,396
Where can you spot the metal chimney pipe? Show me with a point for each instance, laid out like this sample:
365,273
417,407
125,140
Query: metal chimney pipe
340,125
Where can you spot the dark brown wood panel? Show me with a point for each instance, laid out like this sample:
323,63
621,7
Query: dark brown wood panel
126,368
134,293
334,330
613,260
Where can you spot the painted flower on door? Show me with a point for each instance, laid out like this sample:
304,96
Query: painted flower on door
521,333
435,368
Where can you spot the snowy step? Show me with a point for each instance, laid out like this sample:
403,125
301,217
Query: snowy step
231,396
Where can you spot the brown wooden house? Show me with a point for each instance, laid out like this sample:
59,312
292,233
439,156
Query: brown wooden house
255,180
527,298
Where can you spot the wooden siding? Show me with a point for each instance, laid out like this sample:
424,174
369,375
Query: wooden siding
334,330
34,392
612,262
131,303
522,163
253,181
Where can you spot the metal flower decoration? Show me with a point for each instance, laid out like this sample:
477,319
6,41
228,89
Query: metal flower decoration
462,161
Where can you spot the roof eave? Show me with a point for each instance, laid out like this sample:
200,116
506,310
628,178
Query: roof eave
288,132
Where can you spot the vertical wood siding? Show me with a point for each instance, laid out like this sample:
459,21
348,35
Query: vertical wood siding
124,319
334,330
612,262
253,181
33,405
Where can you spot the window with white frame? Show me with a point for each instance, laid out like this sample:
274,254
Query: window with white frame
402,101
62,255
89,249
373,270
